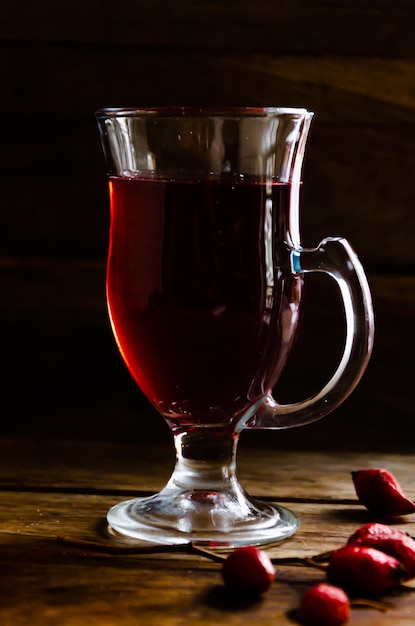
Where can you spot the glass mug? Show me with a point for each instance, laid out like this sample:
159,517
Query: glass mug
204,282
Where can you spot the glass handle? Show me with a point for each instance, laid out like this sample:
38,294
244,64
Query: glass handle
335,257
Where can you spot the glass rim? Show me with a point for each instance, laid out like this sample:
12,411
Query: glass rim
192,111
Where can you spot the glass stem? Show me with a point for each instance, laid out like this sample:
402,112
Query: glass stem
205,461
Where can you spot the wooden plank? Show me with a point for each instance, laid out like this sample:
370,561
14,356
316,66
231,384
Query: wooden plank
109,471
62,375
51,80
54,285
45,581
63,202
55,147
72,521
351,192
319,26
43,584
46,584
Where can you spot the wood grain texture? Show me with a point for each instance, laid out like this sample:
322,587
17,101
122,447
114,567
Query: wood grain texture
350,62
360,145
318,26
47,580
109,470
350,189
53,80
62,376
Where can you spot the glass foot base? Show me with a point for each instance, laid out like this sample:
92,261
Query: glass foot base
207,518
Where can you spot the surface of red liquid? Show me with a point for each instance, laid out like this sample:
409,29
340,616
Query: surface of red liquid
202,301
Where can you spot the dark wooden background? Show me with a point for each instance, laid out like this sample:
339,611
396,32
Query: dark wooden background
351,61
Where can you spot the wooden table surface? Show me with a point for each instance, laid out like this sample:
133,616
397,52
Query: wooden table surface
52,490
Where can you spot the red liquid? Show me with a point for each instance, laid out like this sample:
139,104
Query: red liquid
202,314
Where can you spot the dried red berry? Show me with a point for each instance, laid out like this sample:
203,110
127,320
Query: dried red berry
379,491
248,569
324,605
376,530
391,541
364,570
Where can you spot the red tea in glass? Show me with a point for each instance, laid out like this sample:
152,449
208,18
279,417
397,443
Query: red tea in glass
202,300
205,272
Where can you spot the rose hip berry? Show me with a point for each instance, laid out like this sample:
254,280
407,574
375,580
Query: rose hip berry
364,570
379,491
249,570
375,530
324,605
391,541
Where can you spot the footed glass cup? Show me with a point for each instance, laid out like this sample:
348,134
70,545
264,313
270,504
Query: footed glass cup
204,285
